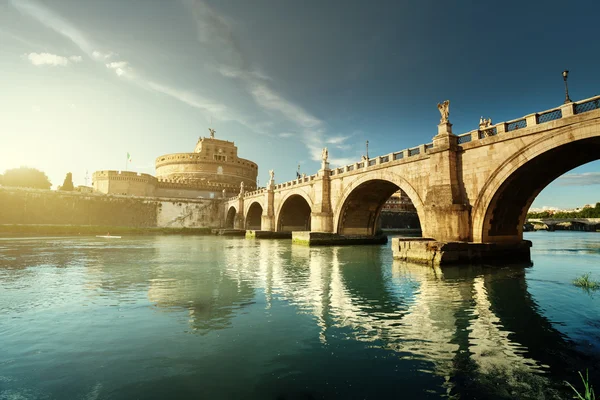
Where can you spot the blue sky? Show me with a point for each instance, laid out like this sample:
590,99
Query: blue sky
84,82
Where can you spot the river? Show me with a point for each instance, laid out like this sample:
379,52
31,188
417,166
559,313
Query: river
155,317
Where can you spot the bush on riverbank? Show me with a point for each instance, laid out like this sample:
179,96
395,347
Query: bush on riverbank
589,212
96,230
584,281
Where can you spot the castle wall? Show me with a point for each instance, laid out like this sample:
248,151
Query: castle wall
179,214
188,193
31,206
124,183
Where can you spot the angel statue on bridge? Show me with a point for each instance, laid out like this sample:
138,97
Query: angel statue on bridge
271,176
324,154
241,187
444,111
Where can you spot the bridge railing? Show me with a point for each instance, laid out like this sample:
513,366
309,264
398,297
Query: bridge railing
530,120
255,192
577,107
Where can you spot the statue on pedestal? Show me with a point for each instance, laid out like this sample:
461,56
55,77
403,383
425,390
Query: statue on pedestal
484,123
324,155
242,187
324,158
271,178
444,109
212,133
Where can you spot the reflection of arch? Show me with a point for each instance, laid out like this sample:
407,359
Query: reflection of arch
358,209
294,214
501,208
229,221
254,216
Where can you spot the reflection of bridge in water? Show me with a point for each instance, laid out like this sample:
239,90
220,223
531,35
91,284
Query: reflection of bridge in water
442,318
448,320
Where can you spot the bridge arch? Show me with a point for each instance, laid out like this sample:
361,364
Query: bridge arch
294,212
363,198
502,204
230,218
254,216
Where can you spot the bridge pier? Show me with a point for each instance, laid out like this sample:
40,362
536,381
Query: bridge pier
447,213
333,239
435,253
321,222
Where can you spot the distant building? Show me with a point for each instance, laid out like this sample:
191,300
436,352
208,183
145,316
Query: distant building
399,202
84,189
211,171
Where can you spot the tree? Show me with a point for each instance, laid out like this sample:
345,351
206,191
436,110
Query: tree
68,183
26,177
1,179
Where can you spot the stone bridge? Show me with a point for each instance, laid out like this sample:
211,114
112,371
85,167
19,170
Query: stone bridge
577,223
476,187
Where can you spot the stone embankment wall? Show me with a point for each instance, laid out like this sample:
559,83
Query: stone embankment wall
29,206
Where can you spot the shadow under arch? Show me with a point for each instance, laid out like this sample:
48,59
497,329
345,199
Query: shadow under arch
358,209
254,216
230,219
501,208
294,214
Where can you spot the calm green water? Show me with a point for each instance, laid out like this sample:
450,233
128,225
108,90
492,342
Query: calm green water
216,318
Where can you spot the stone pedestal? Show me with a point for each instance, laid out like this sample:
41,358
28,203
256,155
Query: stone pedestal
333,239
435,253
250,234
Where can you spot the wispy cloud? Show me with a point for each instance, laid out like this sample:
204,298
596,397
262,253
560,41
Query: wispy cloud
215,31
123,69
120,67
337,139
98,55
19,39
40,59
583,179
271,100
285,134
54,22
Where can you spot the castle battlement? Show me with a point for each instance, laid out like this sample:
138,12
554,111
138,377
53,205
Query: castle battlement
214,166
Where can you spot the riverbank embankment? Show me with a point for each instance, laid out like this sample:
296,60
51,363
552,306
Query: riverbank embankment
55,211
70,230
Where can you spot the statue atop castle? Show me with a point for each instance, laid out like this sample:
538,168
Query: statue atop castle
212,133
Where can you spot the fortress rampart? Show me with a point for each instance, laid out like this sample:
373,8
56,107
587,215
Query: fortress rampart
212,168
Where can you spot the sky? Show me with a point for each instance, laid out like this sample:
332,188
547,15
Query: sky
85,82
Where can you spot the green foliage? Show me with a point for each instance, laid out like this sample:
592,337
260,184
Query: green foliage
26,177
586,282
588,393
68,183
590,212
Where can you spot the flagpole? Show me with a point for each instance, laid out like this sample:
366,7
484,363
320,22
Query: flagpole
126,161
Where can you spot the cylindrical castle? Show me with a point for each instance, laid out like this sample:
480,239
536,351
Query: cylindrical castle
213,161
213,170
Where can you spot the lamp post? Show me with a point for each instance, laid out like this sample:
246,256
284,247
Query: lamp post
565,75
367,149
